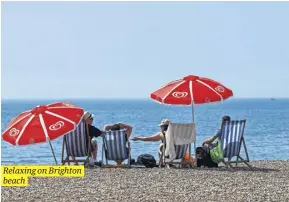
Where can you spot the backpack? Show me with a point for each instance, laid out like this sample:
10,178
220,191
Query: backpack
204,159
147,160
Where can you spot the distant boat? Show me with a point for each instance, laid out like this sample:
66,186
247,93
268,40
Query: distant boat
273,99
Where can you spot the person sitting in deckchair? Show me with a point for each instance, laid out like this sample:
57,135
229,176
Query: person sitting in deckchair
159,136
120,126
93,132
230,140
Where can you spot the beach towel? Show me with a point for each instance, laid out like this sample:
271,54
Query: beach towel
179,134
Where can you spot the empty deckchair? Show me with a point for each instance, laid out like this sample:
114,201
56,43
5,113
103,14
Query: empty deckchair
232,139
115,147
177,142
76,145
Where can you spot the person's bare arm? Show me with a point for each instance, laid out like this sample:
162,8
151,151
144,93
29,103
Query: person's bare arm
127,127
210,140
154,138
107,127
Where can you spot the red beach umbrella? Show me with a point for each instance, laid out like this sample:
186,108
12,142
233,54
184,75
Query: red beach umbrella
43,123
191,90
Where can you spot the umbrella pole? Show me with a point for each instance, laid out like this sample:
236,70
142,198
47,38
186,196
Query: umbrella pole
52,151
193,114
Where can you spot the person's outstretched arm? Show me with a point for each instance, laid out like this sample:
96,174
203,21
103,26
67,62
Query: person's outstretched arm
154,138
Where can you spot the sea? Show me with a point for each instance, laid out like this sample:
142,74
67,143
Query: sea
266,131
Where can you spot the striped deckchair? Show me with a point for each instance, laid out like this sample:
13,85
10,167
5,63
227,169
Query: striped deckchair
232,139
115,147
75,144
180,149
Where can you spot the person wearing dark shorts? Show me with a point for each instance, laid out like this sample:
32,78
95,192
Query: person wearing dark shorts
93,132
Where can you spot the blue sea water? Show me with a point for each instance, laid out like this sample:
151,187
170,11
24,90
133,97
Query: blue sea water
266,131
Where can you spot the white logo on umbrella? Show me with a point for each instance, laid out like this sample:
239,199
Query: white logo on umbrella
180,94
68,105
13,132
220,89
57,125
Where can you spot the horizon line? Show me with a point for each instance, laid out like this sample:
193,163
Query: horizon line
119,98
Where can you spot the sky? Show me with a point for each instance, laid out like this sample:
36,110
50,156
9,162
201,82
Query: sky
130,49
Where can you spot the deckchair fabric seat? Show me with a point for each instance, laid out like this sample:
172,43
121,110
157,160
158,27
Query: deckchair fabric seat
181,150
232,139
115,147
76,144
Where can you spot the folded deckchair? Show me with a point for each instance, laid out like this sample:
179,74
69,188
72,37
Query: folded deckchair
76,144
115,147
232,139
177,142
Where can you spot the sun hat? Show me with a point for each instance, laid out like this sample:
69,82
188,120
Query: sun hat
87,115
164,122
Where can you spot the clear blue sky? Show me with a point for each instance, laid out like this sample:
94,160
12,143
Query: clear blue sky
129,49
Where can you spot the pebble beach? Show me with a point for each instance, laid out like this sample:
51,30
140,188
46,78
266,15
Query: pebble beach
267,181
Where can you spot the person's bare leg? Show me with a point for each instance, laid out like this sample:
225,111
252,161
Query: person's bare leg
94,153
160,155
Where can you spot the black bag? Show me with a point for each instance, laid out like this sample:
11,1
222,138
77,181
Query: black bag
204,158
147,160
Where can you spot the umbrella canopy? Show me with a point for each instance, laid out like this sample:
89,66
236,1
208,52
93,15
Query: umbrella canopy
192,90
45,122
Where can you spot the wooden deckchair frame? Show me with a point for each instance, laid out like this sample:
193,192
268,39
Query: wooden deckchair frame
104,155
246,160
76,161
